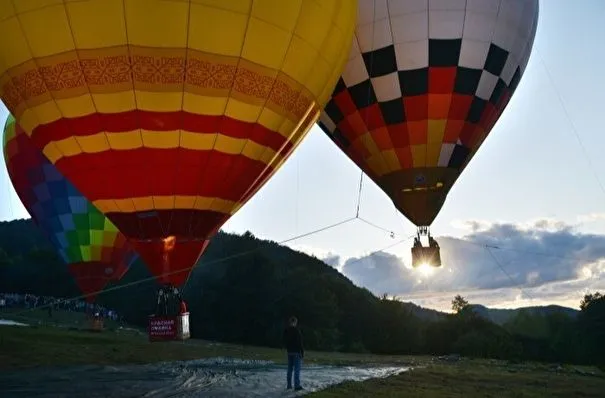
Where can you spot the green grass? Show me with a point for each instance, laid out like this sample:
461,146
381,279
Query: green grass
65,340
479,378
26,347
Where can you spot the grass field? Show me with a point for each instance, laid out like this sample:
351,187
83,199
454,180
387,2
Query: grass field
65,340
479,378
60,342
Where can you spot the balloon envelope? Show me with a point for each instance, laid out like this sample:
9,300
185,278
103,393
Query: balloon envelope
424,84
170,115
86,240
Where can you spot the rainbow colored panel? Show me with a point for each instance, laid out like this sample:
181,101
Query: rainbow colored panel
86,240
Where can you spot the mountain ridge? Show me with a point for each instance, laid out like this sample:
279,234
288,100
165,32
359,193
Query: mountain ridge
502,315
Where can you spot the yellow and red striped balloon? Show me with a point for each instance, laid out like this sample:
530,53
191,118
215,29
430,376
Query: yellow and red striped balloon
170,115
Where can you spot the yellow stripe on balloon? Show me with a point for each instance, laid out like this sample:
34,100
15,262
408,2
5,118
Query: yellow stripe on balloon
168,202
75,84
130,140
49,112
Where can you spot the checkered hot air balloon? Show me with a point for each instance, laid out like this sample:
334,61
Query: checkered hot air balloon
425,82
170,115
92,247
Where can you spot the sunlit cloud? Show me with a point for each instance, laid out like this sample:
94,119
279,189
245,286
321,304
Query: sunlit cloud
472,225
501,264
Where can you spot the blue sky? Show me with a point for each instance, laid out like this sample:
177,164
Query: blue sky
530,168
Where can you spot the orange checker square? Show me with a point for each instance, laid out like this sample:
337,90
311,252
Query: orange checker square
357,146
453,128
439,106
352,126
382,138
405,157
418,132
416,107
442,79
460,106
372,117
345,103
399,135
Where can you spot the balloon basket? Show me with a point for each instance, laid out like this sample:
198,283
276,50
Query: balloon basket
167,328
426,256
171,318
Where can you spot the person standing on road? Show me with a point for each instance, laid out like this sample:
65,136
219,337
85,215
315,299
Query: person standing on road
294,347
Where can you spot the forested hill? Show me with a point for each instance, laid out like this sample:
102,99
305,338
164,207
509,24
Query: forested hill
231,296
21,238
244,288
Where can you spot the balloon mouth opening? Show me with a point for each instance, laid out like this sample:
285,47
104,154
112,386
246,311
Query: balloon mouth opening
437,186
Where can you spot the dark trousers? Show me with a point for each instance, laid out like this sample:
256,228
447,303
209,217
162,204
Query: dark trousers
294,363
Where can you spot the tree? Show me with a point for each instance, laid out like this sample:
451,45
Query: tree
590,325
4,258
459,303
590,298
248,235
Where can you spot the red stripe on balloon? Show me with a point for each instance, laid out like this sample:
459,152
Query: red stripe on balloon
157,121
146,172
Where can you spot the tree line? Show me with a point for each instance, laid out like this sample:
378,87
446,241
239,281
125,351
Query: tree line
246,298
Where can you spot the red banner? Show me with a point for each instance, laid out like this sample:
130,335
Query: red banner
162,328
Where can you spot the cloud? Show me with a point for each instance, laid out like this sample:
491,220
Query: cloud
593,217
548,259
327,256
333,260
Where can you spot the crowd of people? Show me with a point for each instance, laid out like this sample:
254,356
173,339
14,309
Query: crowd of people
49,303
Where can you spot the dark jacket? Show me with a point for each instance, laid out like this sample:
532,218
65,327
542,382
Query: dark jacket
293,340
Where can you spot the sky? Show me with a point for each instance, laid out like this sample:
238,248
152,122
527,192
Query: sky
534,190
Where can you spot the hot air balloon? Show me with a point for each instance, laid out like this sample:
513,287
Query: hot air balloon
424,84
170,115
95,251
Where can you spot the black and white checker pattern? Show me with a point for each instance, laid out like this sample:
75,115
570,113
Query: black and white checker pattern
398,41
